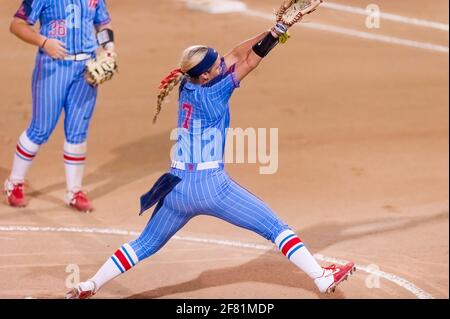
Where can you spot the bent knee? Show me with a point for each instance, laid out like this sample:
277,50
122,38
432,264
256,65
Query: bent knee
39,136
76,138
144,248
277,228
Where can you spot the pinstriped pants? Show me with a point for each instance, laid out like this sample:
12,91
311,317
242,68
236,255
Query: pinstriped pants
208,192
58,85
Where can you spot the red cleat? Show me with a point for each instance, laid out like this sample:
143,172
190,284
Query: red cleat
79,201
333,275
14,193
84,290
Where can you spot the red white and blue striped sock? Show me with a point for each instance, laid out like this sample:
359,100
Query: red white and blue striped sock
26,151
122,260
294,249
74,162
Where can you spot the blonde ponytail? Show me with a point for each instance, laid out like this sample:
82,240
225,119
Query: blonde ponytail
189,59
172,81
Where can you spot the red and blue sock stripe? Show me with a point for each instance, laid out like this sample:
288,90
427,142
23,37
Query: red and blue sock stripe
123,260
23,153
290,244
74,159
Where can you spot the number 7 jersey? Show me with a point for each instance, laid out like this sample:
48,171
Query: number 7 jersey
70,21
203,118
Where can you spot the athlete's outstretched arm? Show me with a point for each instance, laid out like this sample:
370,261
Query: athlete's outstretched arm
240,52
27,33
257,52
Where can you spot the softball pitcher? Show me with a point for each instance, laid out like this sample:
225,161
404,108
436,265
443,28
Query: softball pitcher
197,182
67,42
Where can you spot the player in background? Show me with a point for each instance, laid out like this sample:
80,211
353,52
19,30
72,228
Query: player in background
197,183
69,35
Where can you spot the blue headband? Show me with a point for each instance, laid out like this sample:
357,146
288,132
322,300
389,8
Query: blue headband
206,64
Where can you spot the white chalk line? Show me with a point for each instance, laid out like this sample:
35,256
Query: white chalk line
403,283
226,6
356,33
387,16
210,6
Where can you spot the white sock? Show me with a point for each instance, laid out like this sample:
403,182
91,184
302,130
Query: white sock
74,162
293,248
26,150
123,259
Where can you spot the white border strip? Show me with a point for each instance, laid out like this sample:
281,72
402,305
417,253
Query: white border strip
387,16
357,34
419,293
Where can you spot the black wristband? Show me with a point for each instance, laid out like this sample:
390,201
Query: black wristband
263,47
105,36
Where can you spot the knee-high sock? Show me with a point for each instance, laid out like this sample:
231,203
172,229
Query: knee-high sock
293,248
74,162
123,259
26,150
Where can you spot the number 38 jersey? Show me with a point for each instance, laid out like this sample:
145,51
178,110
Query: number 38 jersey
203,118
70,21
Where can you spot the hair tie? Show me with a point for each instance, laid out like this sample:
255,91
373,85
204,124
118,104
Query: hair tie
169,78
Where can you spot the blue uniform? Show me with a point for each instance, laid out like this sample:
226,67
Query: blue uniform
203,118
60,84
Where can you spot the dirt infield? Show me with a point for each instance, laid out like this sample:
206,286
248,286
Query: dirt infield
363,159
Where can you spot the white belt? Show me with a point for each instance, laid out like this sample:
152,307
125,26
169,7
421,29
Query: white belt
195,166
78,57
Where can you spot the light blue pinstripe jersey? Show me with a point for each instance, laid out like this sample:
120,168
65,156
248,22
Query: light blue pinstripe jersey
203,118
58,84
70,21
